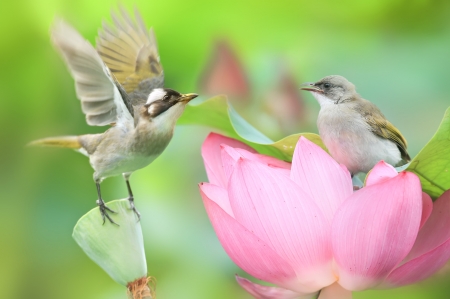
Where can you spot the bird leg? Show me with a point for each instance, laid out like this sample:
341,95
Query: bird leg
102,207
131,197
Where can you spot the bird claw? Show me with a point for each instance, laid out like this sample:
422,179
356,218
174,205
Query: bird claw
104,212
133,207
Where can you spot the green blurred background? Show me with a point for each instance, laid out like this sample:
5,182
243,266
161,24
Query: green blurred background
395,51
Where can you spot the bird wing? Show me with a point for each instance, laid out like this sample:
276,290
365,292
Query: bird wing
383,128
101,100
131,54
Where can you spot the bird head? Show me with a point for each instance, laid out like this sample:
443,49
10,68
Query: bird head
166,104
331,89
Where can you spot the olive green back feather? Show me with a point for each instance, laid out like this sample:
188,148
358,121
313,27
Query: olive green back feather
130,52
383,128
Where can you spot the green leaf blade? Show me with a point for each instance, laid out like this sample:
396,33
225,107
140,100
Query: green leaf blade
217,113
245,130
432,164
119,250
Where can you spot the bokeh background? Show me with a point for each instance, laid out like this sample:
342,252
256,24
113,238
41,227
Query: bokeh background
395,51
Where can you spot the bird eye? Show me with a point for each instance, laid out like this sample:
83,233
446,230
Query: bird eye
166,97
327,85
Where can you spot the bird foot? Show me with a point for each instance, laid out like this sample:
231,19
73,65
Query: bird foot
104,211
133,207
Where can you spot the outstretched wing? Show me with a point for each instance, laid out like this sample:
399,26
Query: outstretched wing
383,128
131,54
101,101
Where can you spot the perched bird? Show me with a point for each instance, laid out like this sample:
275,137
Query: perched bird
353,129
119,84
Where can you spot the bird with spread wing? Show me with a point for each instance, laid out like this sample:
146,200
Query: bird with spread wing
119,84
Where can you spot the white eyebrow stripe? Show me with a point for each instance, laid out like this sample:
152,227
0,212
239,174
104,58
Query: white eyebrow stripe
156,94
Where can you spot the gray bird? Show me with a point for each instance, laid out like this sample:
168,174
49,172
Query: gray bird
353,129
119,84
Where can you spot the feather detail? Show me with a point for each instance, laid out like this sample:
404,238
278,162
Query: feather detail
381,127
130,52
62,141
100,98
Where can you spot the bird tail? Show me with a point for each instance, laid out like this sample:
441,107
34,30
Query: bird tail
72,142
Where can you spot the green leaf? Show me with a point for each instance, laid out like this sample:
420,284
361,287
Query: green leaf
432,164
119,250
217,113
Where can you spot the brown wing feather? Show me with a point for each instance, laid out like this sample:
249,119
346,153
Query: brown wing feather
383,128
93,83
129,50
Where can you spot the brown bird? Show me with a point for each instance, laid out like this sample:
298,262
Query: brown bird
353,129
119,84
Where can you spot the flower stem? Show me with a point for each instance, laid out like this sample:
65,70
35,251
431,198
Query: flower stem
142,288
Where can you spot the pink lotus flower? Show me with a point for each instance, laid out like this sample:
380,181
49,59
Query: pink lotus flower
302,228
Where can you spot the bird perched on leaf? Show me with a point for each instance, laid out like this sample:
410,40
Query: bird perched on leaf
353,129
119,84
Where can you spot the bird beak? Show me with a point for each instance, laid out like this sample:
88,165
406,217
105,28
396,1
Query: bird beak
185,98
310,87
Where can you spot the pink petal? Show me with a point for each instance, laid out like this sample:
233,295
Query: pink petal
427,208
217,194
321,177
419,268
273,162
248,251
279,212
231,155
236,153
375,229
436,230
380,173
264,292
212,156
335,291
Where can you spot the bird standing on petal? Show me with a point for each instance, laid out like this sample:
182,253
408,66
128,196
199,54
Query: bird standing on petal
353,129
301,227
119,84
